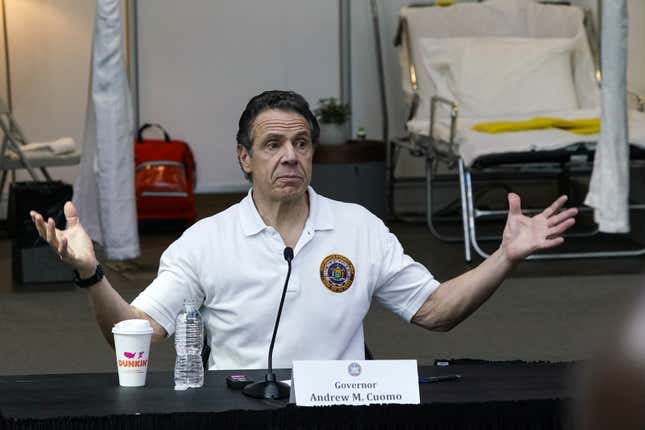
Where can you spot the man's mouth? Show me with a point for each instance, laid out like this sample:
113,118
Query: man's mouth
289,178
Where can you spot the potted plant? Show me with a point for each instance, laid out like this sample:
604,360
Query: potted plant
332,116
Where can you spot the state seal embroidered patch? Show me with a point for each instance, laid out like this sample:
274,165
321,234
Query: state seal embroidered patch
337,273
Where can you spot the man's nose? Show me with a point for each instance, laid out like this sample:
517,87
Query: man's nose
288,153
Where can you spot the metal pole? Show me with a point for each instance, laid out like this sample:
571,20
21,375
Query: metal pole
6,56
345,54
5,34
133,58
599,40
384,110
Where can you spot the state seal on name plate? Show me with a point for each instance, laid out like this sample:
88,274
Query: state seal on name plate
337,273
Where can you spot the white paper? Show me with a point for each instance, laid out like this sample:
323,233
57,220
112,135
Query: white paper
360,382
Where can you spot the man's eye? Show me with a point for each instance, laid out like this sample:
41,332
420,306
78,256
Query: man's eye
272,144
302,143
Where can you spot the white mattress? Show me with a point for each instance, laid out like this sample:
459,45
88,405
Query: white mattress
473,144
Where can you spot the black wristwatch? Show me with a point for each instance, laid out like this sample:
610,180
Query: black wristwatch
88,282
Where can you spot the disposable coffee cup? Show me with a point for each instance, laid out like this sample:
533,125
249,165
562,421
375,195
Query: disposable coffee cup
132,347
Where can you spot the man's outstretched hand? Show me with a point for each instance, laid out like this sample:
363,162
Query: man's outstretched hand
73,245
524,235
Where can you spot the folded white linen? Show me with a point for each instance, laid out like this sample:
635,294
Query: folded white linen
472,144
60,146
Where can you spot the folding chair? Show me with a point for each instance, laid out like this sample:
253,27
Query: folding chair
13,156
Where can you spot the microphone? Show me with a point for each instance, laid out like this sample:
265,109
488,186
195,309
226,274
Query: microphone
270,388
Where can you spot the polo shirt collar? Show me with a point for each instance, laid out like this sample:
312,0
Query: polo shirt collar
320,214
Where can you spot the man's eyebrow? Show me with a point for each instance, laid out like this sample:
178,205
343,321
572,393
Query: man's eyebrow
279,136
272,136
305,133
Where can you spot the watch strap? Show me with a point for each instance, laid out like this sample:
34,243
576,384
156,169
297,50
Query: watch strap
92,280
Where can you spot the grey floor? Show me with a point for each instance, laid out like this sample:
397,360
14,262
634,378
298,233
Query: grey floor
555,311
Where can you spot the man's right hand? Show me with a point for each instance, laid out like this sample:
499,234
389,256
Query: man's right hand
73,245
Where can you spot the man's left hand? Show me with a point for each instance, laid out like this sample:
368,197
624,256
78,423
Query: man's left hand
524,235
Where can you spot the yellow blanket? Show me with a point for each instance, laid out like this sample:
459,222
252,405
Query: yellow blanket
577,126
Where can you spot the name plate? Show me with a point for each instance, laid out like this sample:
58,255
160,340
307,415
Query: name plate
360,382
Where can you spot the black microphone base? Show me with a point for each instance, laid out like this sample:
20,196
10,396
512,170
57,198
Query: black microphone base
267,389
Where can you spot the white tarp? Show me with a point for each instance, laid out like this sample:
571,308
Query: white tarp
104,191
609,186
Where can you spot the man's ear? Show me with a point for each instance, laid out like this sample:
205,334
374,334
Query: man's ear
244,157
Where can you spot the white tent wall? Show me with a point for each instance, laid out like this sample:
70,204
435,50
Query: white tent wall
201,61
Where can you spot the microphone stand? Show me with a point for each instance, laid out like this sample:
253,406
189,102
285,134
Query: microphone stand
270,388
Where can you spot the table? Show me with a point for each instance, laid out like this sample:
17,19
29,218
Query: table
488,396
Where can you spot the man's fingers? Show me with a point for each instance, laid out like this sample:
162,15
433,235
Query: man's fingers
52,238
557,219
48,231
64,251
62,247
561,228
514,204
71,215
39,223
557,204
550,243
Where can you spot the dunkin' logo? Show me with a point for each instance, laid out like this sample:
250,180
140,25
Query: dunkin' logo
132,354
132,361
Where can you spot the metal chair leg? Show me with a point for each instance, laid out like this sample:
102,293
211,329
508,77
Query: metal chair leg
553,256
464,210
429,206
472,231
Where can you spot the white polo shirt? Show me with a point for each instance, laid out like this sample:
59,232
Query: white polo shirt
233,264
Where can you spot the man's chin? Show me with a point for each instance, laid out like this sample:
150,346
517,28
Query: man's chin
292,190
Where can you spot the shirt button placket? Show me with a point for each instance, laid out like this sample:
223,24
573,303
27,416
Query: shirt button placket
278,240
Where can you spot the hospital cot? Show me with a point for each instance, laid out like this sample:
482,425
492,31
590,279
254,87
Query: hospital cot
499,60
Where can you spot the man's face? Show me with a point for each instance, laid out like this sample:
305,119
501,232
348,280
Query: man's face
281,156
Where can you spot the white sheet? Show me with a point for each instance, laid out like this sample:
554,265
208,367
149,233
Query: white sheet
609,186
473,144
505,18
104,191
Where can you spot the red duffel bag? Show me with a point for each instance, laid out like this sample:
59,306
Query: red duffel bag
164,178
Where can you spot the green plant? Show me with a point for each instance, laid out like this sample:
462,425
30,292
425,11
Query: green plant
331,111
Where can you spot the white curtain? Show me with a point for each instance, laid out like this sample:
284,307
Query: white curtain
104,191
609,187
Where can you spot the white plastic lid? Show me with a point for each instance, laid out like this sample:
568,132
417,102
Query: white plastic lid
135,326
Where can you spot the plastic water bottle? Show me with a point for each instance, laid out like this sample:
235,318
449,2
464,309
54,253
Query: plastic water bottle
189,337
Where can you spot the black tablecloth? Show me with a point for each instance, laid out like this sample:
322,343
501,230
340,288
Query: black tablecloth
518,396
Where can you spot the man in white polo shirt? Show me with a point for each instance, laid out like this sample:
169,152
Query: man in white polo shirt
232,263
